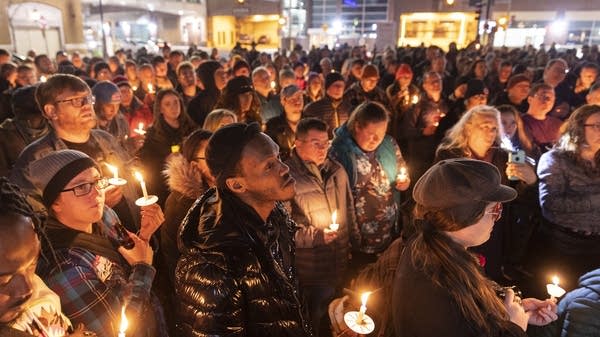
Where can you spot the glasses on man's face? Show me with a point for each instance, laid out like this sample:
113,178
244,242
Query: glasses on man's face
595,126
317,144
85,188
78,102
544,98
496,212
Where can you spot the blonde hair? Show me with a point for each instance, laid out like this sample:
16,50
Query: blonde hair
214,118
458,136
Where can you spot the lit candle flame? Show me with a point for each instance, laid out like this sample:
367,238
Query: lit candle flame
334,226
43,79
138,176
334,216
555,280
554,290
273,84
415,99
140,129
113,169
150,88
124,323
364,297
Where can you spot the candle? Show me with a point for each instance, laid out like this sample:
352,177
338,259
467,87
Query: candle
436,124
150,88
140,129
402,176
363,307
554,290
415,99
43,79
114,170
115,180
139,177
334,226
124,323
273,84
134,88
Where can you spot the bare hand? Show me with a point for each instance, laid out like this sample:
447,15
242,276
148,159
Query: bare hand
515,310
329,235
140,253
524,172
112,195
541,312
152,218
460,91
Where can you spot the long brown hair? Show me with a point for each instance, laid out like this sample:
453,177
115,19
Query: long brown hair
186,124
572,136
524,139
450,266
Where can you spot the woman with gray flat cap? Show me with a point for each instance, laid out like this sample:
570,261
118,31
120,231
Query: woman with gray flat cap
439,288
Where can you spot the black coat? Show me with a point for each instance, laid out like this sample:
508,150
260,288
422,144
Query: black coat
236,274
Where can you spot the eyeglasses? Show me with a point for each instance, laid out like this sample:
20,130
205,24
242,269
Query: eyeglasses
199,158
319,145
596,126
85,188
544,98
78,102
496,212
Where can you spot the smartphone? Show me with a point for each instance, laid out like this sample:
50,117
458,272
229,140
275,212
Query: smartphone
516,157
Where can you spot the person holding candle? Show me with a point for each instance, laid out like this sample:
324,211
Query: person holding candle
372,161
171,125
84,262
66,102
477,135
438,288
239,240
322,252
403,95
134,110
570,199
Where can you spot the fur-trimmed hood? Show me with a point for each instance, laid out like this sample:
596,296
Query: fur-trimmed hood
183,177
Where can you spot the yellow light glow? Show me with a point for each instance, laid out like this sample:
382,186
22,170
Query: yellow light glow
124,322
334,217
138,176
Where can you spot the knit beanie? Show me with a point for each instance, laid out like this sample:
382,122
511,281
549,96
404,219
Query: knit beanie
23,102
52,173
332,78
106,92
120,81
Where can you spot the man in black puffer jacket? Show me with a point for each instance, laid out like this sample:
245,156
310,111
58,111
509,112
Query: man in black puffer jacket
236,274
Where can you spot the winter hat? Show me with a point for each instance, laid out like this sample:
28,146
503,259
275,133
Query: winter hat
106,92
475,87
121,80
52,173
23,102
224,149
332,78
459,182
404,70
239,85
369,71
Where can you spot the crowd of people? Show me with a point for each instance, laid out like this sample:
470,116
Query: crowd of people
446,182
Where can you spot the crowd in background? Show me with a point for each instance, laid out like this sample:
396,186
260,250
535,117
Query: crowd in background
356,127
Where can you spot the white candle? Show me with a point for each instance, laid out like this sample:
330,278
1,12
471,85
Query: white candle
402,176
415,99
273,84
114,170
150,88
334,226
43,79
363,308
554,290
140,129
124,323
139,177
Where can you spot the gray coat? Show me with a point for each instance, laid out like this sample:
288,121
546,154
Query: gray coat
316,198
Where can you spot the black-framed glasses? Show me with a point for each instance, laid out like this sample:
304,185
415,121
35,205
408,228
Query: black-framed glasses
85,188
496,212
78,102
595,126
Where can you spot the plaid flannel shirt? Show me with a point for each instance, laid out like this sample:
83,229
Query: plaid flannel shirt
93,289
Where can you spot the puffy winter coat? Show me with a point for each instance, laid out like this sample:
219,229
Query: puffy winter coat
236,274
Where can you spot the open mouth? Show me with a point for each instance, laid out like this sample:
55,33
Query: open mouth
290,181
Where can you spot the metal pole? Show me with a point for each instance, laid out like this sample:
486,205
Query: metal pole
104,49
